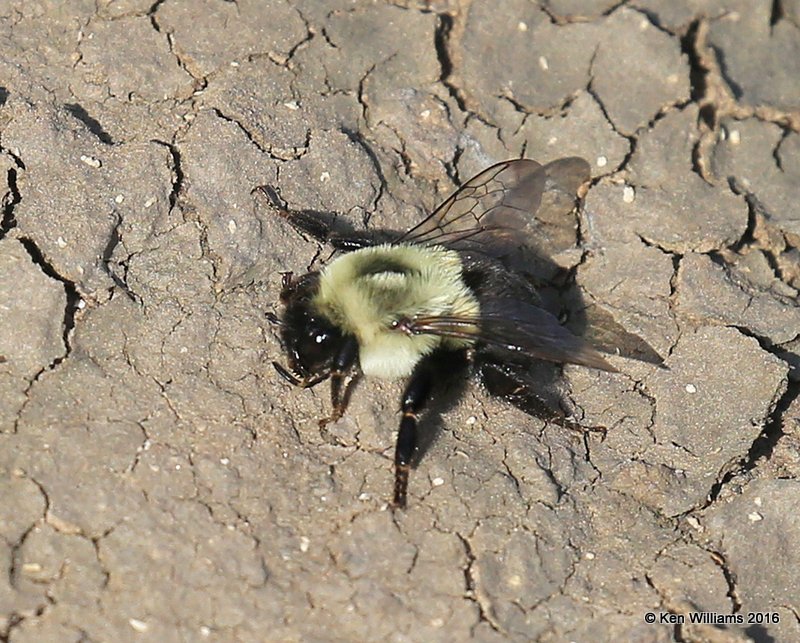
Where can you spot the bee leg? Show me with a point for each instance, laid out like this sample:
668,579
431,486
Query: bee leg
319,225
343,376
314,224
435,370
504,381
417,392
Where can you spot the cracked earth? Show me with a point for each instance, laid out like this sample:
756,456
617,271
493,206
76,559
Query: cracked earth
160,482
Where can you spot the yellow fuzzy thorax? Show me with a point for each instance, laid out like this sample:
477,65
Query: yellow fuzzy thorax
364,291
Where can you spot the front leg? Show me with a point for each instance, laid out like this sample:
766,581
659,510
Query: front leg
432,371
343,375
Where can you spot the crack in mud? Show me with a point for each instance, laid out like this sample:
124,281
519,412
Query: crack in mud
762,447
74,301
79,113
471,590
177,172
359,139
10,200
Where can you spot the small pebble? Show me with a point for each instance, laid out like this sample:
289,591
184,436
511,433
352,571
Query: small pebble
628,194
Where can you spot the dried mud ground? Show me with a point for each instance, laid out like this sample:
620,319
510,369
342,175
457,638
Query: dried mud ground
159,482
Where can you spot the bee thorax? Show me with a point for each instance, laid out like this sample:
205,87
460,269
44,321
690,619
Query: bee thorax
373,294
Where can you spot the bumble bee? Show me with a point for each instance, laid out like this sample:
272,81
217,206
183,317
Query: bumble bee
434,301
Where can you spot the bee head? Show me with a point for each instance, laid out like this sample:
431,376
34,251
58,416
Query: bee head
311,340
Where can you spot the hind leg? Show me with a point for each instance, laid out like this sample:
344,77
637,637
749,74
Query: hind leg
513,384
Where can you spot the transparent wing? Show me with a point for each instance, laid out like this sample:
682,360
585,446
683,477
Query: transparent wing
492,209
603,331
513,327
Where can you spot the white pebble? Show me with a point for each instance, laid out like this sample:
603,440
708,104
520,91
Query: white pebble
628,194
91,161
695,523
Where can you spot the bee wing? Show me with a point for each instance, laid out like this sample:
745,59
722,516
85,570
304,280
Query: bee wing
603,331
490,210
514,327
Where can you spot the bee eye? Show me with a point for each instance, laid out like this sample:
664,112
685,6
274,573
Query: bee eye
317,346
320,338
